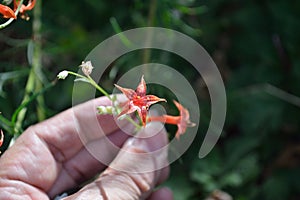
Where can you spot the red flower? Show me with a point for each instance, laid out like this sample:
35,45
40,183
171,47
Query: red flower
182,121
2,138
138,100
30,5
7,12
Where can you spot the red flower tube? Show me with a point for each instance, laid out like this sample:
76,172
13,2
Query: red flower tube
7,12
182,121
2,138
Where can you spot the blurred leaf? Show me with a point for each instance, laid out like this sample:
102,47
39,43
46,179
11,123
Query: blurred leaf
275,188
5,76
231,179
181,187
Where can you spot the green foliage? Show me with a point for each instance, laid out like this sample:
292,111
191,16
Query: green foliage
255,45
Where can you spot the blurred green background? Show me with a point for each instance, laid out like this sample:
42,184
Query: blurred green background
255,44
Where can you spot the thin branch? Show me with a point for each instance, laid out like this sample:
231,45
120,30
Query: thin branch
37,58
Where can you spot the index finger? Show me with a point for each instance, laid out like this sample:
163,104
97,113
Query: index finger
70,130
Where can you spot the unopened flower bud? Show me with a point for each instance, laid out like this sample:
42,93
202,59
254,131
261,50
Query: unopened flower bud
62,74
104,110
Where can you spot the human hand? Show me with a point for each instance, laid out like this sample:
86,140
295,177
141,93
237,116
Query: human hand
54,156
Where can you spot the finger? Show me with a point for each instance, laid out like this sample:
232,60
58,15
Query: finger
84,165
135,171
66,133
46,151
163,175
162,193
98,151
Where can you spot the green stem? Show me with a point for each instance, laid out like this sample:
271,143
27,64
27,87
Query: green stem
99,88
5,123
152,10
23,106
92,82
8,22
77,75
37,57
119,31
34,82
21,114
137,126
150,23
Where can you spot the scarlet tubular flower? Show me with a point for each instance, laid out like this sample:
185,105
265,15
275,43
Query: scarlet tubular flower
30,5
138,100
24,8
7,12
2,138
182,121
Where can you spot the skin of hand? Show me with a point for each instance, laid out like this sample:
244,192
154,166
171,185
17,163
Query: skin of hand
54,156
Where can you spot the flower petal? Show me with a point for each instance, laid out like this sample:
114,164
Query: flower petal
7,12
152,99
127,109
30,5
141,88
129,93
184,113
2,138
184,121
180,132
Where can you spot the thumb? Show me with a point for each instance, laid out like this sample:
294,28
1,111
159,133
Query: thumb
139,166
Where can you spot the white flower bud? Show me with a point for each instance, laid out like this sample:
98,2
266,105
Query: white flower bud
62,74
104,110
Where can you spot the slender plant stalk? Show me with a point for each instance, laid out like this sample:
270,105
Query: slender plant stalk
118,30
31,98
34,84
37,58
28,89
150,23
91,81
136,125
99,88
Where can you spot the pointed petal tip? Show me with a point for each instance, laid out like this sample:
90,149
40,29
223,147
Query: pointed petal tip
129,93
177,135
177,104
191,124
141,88
116,86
